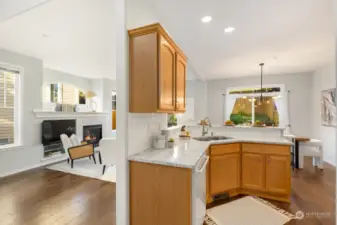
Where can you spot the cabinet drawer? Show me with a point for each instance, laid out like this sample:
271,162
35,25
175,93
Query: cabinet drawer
224,149
266,149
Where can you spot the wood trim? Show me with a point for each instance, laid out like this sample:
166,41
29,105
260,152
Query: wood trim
302,139
160,195
266,149
224,149
156,27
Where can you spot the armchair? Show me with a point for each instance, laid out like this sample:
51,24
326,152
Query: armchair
76,151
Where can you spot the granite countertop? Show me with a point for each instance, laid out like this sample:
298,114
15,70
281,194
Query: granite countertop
187,153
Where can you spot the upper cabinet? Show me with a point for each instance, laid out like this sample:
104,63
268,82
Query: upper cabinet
157,80
180,83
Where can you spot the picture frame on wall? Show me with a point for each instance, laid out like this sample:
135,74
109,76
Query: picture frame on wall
328,108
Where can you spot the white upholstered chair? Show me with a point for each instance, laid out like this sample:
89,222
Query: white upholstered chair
311,148
107,148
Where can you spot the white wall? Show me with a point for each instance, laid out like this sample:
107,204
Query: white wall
142,126
31,152
11,8
140,13
54,76
97,87
300,86
324,78
197,89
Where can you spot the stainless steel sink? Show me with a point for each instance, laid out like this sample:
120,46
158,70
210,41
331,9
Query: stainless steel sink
211,138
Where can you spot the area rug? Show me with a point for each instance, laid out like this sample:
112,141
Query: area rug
247,211
87,168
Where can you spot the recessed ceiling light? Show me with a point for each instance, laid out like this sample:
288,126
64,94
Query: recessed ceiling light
206,19
229,29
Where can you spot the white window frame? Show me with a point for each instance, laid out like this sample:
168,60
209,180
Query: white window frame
17,103
284,116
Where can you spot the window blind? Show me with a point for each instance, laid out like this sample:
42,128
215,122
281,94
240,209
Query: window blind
7,106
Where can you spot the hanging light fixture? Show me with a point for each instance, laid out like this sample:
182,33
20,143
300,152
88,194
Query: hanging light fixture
261,97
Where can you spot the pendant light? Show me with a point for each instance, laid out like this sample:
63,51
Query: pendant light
261,97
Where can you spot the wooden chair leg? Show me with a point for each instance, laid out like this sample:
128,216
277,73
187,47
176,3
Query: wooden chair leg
72,163
103,169
68,160
93,156
90,157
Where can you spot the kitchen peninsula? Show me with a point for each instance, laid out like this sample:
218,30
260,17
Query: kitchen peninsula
165,185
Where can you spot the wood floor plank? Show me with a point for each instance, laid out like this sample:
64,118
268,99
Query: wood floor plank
54,198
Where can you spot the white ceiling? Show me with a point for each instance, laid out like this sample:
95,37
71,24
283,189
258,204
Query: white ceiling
290,36
73,36
76,36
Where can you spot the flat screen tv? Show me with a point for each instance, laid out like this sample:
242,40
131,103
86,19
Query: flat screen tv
52,129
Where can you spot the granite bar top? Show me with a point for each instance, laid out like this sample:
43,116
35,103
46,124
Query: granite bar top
186,153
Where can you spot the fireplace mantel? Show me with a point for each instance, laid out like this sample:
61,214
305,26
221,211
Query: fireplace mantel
50,114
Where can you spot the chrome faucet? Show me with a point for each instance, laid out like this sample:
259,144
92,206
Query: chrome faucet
204,129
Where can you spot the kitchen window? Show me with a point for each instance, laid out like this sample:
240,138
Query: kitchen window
244,106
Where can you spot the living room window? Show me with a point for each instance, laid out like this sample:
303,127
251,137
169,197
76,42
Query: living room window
8,106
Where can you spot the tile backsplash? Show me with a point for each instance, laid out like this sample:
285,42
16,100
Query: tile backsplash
142,127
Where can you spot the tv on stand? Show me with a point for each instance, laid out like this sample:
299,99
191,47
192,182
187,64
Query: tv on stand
52,129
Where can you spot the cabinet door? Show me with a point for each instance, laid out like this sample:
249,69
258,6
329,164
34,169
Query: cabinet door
166,76
224,173
253,171
278,174
180,84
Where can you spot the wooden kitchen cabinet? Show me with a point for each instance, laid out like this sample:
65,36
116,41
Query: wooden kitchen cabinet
253,171
224,169
249,168
220,180
279,165
180,83
157,72
166,76
160,195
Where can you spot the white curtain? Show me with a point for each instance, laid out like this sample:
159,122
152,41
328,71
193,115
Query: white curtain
229,104
282,108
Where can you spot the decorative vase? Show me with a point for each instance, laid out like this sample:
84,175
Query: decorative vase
170,144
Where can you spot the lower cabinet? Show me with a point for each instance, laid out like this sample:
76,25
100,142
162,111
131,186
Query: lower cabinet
278,174
253,171
220,180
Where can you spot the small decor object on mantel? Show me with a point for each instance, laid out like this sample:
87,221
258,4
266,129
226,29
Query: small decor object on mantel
171,143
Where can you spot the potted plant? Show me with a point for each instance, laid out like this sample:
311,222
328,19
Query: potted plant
171,143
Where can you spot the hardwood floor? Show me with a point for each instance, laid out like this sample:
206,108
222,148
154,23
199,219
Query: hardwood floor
313,193
46,197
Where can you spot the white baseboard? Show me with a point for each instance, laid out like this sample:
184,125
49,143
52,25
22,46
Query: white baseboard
43,163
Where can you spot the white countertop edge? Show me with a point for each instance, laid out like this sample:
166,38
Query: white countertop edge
136,157
239,127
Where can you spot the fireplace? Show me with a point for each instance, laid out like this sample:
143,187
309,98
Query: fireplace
92,134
